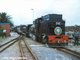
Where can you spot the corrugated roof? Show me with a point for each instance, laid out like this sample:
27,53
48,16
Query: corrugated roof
3,23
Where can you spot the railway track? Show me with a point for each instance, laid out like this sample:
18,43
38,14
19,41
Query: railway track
71,52
26,52
8,44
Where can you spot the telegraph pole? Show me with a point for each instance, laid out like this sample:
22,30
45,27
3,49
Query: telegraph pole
32,14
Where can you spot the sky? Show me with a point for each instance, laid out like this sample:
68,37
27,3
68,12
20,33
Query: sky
25,11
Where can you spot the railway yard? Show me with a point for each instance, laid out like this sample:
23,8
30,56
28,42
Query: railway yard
39,30
23,48
45,39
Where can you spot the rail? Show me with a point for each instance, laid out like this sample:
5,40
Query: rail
28,48
66,50
8,44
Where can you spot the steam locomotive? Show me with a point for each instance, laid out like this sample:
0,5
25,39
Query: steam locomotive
48,29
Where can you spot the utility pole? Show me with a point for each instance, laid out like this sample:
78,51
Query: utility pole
32,14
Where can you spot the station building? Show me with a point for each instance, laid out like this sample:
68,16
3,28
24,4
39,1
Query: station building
72,28
6,26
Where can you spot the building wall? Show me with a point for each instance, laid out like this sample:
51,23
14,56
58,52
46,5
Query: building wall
72,28
6,26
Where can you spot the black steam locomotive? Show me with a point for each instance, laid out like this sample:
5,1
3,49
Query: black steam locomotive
49,29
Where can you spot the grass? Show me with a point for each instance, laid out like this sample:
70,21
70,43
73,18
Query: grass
1,39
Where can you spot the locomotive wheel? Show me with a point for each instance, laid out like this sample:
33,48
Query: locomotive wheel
47,45
44,41
66,44
33,37
36,38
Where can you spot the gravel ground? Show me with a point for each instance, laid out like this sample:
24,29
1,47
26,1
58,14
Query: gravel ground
26,53
4,40
11,53
74,48
44,53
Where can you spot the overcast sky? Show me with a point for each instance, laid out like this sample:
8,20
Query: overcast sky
22,13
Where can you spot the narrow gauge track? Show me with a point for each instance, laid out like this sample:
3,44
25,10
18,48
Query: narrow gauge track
26,50
66,50
8,44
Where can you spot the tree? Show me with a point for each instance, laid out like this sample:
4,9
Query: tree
4,18
0,17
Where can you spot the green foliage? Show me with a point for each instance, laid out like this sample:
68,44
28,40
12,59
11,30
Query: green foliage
1,31
4,18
